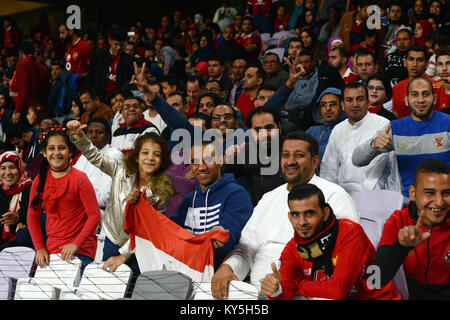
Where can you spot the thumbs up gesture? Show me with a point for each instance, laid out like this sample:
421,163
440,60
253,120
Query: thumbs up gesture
383,140
412,236
270,284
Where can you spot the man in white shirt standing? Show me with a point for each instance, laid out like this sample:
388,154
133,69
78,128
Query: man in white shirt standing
99,132
268,230
360,125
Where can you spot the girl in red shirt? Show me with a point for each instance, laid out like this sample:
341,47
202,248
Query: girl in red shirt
69,201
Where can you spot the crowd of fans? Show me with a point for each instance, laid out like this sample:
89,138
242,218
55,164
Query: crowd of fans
88,122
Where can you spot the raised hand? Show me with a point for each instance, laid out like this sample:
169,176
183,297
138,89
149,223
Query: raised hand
383,140
295,71
412,236
76,129
141,83
271,283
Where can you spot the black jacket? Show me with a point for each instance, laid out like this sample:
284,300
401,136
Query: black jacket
99,67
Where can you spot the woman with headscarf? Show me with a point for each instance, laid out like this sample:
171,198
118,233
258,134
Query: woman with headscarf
309,42
205,50
421,30
338,42
308,18
14,196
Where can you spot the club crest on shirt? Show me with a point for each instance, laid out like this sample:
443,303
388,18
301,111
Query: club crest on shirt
439,142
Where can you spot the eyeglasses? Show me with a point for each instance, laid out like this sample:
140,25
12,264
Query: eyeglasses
134,106
328,104
372,88
226,116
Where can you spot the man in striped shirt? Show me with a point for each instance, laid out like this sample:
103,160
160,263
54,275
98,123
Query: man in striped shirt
423,134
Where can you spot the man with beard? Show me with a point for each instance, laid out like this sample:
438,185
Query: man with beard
327,258
265,124
416,62
268,230
425,133
78,53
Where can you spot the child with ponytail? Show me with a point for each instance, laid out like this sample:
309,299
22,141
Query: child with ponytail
68,199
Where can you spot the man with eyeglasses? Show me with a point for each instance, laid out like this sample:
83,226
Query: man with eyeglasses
327,114
275,74
133,126
360,125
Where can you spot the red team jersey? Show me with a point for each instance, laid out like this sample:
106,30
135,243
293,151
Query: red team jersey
77,57
442,99
111,78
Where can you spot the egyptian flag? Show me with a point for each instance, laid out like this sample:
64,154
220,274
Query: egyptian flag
161,244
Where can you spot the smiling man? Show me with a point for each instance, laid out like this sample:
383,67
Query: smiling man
327,113
326,258
425,133
268,230
133,126
417,237
416,62
216,202
360,125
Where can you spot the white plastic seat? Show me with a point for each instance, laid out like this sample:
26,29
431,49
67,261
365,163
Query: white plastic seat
237,290
64,275
35,289
15,263
375,207
99,284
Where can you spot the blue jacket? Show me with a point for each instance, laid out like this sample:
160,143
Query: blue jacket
62,92
323,130
224,203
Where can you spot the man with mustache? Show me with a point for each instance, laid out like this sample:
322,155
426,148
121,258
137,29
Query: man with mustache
268,230
360,125
78,53
416,62
425,133
326,258
327,113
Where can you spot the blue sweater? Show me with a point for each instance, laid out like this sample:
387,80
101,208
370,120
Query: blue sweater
415,141
224,203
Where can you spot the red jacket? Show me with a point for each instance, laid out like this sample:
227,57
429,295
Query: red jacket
352,254
32,83
426,263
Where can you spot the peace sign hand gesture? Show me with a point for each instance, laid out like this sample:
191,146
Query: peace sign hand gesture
295,71
412,236
141,83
